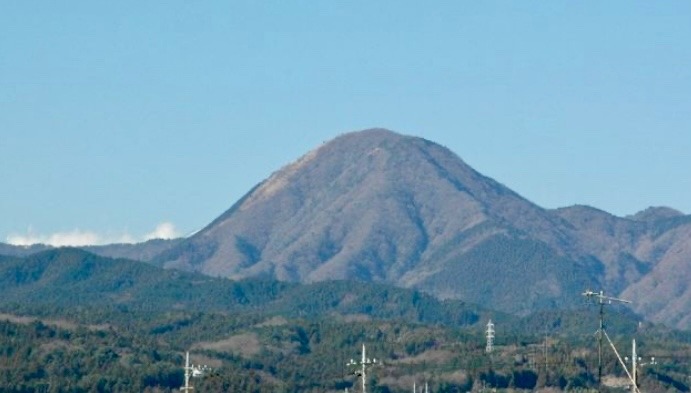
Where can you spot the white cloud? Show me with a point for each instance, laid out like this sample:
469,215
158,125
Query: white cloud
75,237
78,238
22,240
164,230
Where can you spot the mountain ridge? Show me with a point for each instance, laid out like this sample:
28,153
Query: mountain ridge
378,206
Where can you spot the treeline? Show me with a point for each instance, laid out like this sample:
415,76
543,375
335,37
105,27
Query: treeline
69,278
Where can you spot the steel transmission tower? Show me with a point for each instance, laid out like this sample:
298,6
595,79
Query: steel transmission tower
490,337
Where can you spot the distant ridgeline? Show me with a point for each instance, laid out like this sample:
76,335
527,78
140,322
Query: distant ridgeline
376,206
379,207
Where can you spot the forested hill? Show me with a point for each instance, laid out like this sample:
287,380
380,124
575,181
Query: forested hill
144,251
67,277
89,323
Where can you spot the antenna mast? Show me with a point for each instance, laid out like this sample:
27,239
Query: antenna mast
602,300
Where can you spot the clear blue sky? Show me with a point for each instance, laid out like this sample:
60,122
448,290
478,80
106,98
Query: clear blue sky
118,116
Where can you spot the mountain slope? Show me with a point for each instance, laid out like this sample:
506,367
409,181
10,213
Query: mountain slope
664,293
647,258
378,206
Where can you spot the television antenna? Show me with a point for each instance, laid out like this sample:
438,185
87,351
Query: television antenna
602,300
364,364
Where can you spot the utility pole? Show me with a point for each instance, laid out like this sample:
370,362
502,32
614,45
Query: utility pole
544,350
364,363
635,363
415,387
634,357
602,300
188,373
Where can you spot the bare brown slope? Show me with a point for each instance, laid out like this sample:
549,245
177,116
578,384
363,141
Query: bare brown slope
370,205
647,258
378,206
664,294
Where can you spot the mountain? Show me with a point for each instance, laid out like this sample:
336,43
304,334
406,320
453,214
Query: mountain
647,258
377,206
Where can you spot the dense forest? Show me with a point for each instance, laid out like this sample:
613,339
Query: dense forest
74,322
121,351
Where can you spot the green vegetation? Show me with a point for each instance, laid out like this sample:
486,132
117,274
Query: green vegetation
75,322
135,351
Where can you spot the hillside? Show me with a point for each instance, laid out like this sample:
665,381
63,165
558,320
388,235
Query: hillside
75,319
60,280
72,318
376,206
647,258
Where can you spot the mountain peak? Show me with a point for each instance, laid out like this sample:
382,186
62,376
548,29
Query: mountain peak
378,206
364,157
372,134
371,205
346,148
655,213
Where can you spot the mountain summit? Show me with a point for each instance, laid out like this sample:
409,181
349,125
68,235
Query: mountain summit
379,206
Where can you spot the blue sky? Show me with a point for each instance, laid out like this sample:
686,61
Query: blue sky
125,120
